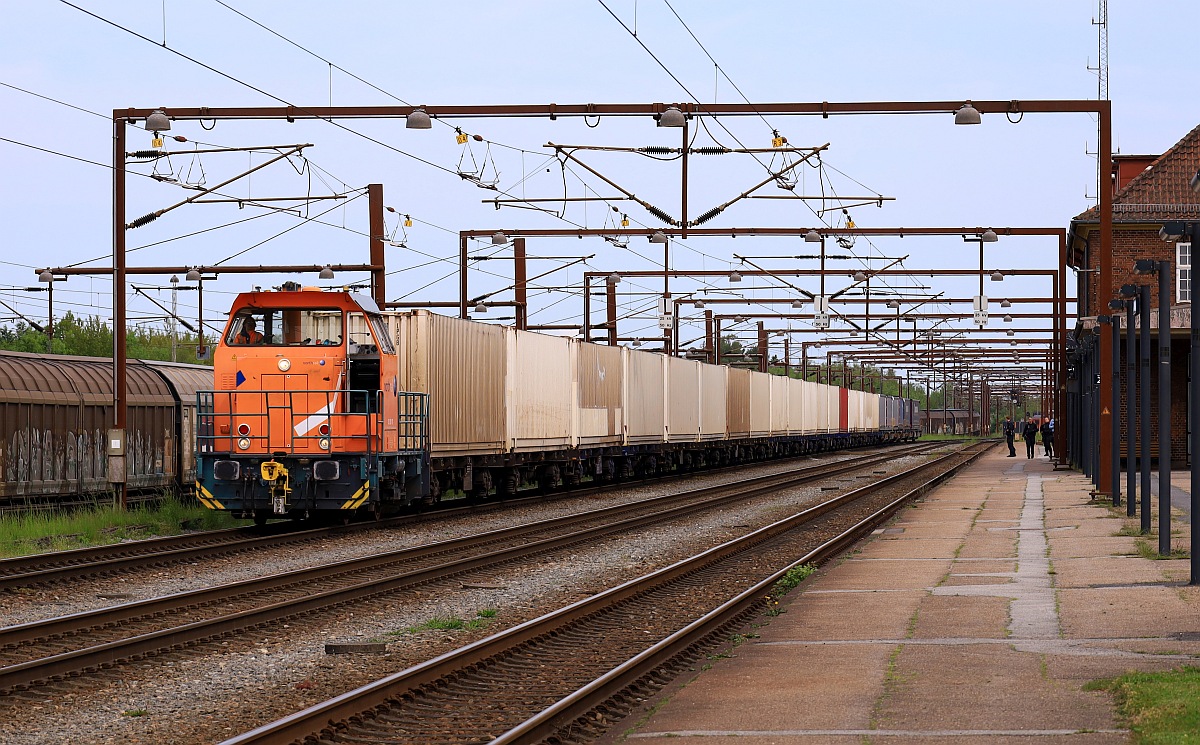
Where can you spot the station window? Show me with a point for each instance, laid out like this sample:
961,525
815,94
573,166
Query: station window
286,327
1183,272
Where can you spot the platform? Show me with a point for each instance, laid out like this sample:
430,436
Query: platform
977,615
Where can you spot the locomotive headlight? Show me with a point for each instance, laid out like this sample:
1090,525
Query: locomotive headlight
244,443
323,443
284,364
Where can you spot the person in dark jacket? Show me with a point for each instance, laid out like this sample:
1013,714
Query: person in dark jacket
1029,432
1010,431
1048,437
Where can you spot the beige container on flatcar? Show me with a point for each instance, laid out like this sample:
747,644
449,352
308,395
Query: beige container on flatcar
795,404
462,366
600,383
683,393
713,402
816,407
737,402
870,411
760,404
780,412
645,397
541,391
832,406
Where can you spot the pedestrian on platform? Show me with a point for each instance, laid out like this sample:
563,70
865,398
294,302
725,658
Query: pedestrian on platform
1048,437
1029,432
1010,431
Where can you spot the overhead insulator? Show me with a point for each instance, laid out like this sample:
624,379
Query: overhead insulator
143,220
660,214
710,150
708,216
656,150
145,154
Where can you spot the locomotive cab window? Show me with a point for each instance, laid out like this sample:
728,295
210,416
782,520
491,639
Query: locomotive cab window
291,327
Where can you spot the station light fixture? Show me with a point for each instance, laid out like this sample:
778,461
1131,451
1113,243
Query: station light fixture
1117,304
893,304
418,119
1128,292
1145,266
1008,319
671,117
739,319
658,237
735,276
997,276
158,121
860,277
699,304
637,343
797,304
326,272
1010,332
1172,231
193,275
480,307
614,278
1005,303
989,236
812,236
967,114
45,276
499,238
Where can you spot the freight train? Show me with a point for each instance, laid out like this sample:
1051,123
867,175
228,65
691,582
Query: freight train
415,405
321,404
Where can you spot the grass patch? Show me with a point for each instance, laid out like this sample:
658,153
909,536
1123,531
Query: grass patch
60,530
450,623
1159,707
788,582
1148,551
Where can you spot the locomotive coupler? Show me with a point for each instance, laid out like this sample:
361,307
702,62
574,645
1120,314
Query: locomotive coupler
276,477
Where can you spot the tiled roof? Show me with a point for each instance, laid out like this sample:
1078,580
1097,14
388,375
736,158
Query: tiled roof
1161,192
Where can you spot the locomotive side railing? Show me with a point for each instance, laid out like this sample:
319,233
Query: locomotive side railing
296,422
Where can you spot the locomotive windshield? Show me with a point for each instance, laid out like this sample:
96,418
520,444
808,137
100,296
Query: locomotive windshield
285,327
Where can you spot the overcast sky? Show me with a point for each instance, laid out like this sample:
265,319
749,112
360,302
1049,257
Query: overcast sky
1037,172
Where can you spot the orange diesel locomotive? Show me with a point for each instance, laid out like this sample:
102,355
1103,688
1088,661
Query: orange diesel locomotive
306,416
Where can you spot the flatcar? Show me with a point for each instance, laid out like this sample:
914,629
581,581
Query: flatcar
322,403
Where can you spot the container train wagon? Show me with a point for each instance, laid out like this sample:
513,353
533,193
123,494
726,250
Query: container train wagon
324,404
55,412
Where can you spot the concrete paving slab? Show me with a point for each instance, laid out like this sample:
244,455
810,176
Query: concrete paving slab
821,614
1105,571
989,545
984,687
928,548
966,617
976,566
1071,547
1130,611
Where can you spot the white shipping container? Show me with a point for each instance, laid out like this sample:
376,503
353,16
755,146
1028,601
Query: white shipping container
462,366
645,392
600,386
795,403
779,404
760,404
541,391
714,402
683,391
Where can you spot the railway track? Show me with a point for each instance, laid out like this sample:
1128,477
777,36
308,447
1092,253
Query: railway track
85,642
97,561
607,652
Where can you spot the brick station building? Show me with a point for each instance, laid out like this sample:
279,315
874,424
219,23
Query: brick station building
1148,190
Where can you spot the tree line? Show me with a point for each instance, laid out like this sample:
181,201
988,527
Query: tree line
92,337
